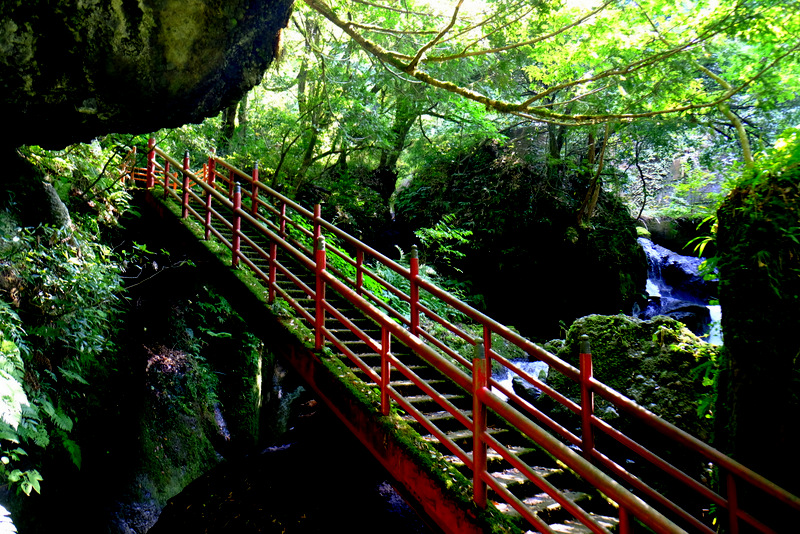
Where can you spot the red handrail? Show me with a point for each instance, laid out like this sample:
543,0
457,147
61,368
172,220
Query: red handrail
306,246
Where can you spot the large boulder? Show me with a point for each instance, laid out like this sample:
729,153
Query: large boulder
659,364
534,266
759,265
71,71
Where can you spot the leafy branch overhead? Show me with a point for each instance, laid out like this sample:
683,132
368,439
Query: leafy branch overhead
618,61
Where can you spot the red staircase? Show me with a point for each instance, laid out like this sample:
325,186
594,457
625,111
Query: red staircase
551,473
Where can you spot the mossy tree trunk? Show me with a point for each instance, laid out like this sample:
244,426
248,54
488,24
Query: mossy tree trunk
759,268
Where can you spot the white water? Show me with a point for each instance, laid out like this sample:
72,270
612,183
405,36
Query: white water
505,377
657,289
715,334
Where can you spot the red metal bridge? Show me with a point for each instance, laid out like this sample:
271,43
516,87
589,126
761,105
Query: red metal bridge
565,472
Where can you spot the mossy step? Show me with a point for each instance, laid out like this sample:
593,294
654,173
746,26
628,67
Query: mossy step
444,421
574,527
547,508
512,477
425,403
406,385
461,435
494,461
438,416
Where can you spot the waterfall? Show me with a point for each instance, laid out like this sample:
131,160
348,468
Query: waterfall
676,289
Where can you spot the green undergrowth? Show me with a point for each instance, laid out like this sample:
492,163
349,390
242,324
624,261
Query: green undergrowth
60,291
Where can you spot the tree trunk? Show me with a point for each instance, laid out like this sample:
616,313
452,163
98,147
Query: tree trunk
242,114
385,176
555,143
228,127
589,204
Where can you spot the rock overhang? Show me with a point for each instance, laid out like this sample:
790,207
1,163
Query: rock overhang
71,71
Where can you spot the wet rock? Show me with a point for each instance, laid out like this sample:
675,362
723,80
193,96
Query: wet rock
526,390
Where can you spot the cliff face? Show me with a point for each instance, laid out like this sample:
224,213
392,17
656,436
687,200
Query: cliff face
71,70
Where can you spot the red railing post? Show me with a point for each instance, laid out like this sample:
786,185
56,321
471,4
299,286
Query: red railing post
273,270
282,231
319,318
487,348
359,271
317,226
414,290
231,183
185,199
254,192
211,174
733,504
386,370
166,178
237,225
150,180
480,380
587,398
624,526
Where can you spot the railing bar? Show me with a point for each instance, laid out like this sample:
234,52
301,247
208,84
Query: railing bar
387,285
253,267
448,406
255,246
657,461
445,323
541,386
353,357
430,427
691,442
342,254
577,463
444,348
221,237
520,507
538,414
372,344
304,260
391,312
298,283
637,483
220,218
543,484
295,305
403,336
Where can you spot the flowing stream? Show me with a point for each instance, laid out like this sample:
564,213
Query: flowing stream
676,288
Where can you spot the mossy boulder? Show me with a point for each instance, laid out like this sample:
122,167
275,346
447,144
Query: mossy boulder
177,439
659,364
527,256
759,266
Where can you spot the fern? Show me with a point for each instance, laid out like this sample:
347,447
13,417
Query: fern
73,449
72,376
57,415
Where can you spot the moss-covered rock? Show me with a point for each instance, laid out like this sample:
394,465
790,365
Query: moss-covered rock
759,265
658,363
178,425
535,266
